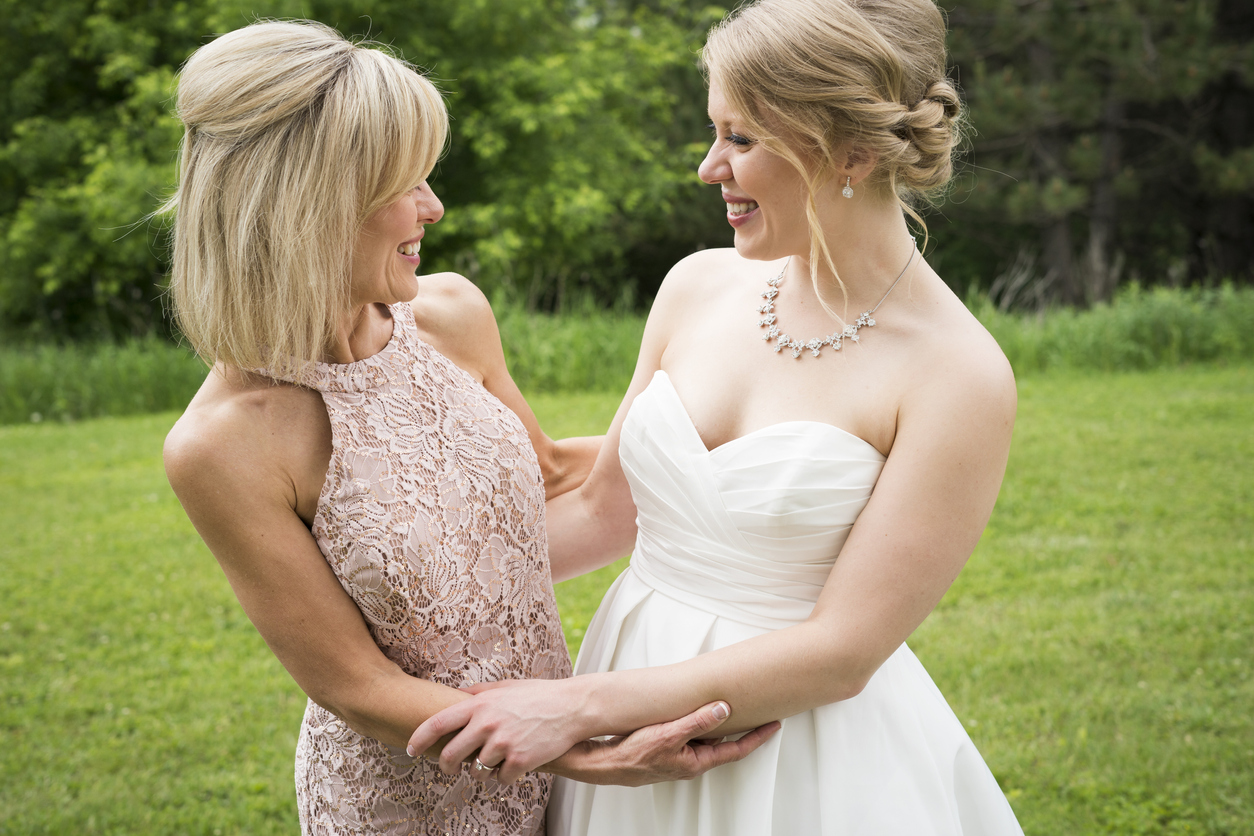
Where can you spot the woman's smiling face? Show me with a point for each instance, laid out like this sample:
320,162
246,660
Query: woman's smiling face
386,255
765,195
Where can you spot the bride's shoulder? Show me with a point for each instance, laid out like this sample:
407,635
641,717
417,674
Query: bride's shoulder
952,352
708,275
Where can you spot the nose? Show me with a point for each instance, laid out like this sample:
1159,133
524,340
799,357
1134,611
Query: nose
430,209
714,168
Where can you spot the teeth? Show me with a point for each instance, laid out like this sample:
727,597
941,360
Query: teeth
409,249
741,208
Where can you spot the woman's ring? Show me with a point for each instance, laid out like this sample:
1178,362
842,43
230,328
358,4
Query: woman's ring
480,767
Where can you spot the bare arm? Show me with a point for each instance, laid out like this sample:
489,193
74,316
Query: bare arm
243,505
595,525
929,507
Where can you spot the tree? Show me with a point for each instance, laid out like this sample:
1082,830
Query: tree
1092,120
570,167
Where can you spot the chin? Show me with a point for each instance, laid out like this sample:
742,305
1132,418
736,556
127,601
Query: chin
753,249
404,290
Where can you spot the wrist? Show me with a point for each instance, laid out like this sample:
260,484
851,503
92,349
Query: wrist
590,716
589,762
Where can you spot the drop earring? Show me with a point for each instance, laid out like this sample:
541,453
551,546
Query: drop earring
847,191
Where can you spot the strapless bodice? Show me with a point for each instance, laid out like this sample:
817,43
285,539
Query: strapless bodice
750,529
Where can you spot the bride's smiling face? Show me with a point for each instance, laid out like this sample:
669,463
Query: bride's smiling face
765,195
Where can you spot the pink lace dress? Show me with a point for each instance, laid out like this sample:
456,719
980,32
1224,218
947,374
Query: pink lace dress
432,517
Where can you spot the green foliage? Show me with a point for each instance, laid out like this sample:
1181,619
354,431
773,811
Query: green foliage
1109,139
1097,646
571,160
571,147
594,350
86,381
581,351
1138,330
86,151
1110,143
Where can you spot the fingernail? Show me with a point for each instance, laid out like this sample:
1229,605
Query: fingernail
721,711
409,750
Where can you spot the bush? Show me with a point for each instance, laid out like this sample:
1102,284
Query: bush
86,381
1138,330
587,351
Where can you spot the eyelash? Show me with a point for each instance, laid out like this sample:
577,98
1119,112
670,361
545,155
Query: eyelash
735,139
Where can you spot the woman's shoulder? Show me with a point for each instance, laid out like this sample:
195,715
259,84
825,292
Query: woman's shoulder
240,427
708,275
954,354
449,308
717,266
455,318
449,297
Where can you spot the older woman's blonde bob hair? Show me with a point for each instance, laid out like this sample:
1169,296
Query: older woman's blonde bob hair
294,137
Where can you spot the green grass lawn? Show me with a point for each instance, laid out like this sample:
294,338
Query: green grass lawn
1098,646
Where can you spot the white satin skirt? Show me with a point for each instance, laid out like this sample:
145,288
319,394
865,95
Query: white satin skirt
892,761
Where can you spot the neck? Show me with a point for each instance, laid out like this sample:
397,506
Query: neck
869,244
361,334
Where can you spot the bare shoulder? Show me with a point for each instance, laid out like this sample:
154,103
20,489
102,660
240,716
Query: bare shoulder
957,360
456,318
241,431
708,275
450,303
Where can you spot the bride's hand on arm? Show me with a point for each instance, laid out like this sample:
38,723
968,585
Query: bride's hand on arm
517,727
675,751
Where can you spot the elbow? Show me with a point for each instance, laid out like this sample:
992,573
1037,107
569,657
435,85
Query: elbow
359,722
847,670
342,709
351,704
549,460
848,687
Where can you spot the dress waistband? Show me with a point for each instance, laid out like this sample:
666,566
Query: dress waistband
771,597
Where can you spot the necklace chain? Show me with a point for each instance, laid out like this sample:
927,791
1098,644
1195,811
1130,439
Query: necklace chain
815,345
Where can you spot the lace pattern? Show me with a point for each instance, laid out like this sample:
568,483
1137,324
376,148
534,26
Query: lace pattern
432,517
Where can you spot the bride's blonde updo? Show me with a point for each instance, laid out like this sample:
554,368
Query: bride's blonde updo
810,78
294,137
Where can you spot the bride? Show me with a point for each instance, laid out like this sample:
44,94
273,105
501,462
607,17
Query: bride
796,505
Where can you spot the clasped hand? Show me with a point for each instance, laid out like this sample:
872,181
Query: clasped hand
518,726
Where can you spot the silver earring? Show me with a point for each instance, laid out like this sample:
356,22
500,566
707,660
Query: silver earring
847,191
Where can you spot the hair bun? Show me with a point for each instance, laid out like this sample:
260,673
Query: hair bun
929,128
276,71
941,93
868,74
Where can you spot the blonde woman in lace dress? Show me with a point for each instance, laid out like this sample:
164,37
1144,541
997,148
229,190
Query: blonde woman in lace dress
359,461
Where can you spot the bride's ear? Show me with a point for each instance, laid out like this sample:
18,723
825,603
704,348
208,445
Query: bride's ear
856,163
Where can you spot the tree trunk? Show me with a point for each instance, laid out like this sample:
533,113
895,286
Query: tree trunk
1047,151
1101,273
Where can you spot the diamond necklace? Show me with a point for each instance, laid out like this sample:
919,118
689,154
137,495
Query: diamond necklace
815,345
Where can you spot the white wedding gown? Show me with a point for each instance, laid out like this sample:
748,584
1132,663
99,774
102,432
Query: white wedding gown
735,542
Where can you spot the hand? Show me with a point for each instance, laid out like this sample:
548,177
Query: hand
513,726
665,752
